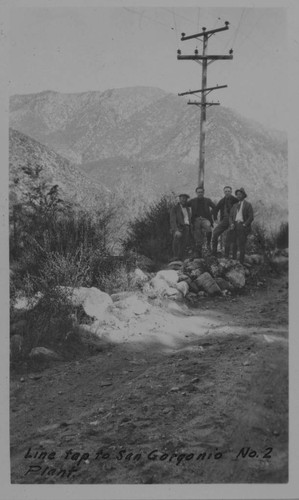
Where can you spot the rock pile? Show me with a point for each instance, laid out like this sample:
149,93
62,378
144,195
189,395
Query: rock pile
195,278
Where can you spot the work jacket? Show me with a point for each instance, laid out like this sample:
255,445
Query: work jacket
208,209
177,221
247,214
231,200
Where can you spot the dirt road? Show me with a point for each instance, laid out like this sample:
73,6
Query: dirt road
208,408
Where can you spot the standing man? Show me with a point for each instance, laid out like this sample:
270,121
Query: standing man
180,223
224,206
240,219
201,219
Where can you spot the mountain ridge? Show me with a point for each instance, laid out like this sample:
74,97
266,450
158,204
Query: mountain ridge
144,131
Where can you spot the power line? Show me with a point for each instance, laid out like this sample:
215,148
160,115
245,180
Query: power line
238,27
146,17
198,12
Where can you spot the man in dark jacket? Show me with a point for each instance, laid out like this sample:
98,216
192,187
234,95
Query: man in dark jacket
224,207
202,219
240,219
180,223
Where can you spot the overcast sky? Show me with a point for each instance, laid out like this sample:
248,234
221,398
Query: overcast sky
75,49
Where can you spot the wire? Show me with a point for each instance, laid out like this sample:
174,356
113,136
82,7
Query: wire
175,25
238,27
146,17
198,12
179,15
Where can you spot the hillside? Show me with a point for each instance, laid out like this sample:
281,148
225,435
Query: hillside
74,185
147,133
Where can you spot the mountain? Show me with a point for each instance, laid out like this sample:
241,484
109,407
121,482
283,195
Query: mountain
148,134
74,185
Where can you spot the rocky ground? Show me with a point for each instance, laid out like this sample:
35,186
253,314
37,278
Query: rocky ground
184,394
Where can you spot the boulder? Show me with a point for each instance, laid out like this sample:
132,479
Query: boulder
236,276
172,292
94,302
215,270
175,296
169,275
183,287
43,353
223,284
208,284
183,277
138,277
25,303
195,273
225,265
160,288
175,265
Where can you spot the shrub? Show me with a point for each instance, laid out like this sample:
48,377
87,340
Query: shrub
282,236
149,234
51,319
117,280
265,241
261,240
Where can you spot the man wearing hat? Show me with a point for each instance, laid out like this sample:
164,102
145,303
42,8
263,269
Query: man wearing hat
240,219
180,222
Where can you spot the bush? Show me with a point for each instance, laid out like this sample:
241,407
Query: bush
282,236
261,240
265,241
149,234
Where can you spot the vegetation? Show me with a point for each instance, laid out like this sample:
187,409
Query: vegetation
54,245
265,241
149,234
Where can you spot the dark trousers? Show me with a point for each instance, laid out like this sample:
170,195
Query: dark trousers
237,238
180,242
222,226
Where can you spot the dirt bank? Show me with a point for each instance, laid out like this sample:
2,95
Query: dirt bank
206,406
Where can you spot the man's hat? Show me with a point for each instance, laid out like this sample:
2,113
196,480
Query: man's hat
242,190
184,194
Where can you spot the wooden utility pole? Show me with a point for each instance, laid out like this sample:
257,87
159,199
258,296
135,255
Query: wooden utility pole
204,60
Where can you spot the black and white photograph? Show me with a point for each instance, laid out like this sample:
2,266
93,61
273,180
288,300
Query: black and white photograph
148,227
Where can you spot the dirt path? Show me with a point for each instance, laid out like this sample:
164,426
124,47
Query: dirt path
208,408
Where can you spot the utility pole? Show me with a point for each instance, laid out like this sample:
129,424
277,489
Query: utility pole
204,60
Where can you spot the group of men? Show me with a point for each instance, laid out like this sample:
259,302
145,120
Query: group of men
195,218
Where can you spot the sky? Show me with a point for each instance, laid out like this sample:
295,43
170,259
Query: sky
77,49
